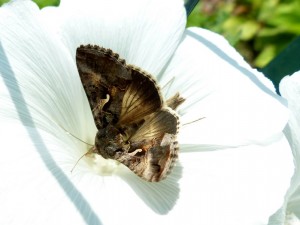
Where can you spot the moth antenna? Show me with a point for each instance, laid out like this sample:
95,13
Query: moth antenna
78,161
79,138
76,137
192,121
169,83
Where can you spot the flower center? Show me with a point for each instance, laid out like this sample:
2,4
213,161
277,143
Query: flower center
101,166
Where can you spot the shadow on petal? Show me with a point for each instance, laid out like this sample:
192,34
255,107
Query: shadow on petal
9,79
160,196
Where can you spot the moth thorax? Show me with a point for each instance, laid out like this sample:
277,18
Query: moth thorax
108,142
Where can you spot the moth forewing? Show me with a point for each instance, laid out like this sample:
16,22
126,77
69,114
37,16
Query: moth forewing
142,97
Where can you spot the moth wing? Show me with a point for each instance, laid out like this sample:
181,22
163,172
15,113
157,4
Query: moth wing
160,159
141,98
156,125
154,146
155,163
104,77
159,129
135,93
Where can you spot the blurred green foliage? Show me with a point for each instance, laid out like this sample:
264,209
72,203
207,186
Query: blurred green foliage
258,29
40,3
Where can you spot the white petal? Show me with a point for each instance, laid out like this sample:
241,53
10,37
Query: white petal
236,186
36,184
40,89
222,187
33,185
292,219
145,33
290,89
237,103
39,74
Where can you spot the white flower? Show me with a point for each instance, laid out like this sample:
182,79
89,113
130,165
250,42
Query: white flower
290,211
42,99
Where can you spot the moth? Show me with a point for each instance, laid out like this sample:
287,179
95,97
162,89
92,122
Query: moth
135,125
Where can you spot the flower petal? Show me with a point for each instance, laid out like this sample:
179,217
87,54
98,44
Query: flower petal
237,103
147,42
39,74
242,185
223,185
38,93
290,89
45,84
33,184
36,184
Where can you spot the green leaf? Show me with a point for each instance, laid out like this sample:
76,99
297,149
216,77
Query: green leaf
44,3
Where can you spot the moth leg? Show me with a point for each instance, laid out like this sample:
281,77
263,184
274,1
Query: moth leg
175,101
135,152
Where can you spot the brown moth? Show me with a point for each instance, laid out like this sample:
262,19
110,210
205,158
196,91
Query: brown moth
135,126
